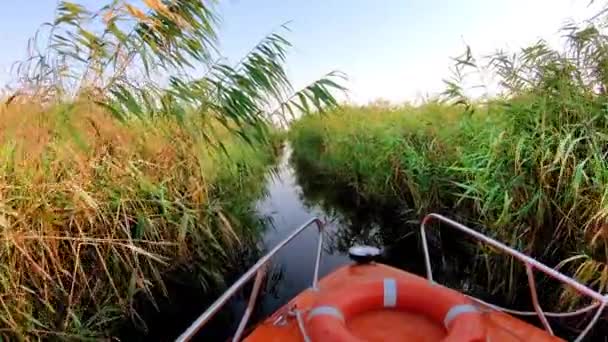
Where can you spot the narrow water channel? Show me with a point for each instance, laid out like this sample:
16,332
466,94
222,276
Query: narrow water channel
291,203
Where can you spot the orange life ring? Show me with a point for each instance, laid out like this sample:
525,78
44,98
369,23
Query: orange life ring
462,320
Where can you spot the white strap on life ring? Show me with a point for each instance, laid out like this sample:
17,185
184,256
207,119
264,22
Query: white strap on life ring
457,310
390,293
326,310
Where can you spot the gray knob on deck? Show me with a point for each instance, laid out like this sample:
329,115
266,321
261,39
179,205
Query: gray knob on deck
363,254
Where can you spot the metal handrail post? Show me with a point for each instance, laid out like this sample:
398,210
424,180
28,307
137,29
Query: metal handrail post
535,302
594,320
315,279
221,301
257,285
425,250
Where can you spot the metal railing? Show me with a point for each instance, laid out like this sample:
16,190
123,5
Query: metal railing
259,271
531,265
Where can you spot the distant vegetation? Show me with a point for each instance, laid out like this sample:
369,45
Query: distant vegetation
119,167
529,165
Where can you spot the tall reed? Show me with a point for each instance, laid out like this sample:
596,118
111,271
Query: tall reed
94,212
529,166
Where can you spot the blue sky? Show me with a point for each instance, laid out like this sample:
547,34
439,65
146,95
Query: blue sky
394,49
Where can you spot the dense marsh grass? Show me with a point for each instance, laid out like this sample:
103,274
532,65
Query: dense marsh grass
367,147
529,190
530,166
94,211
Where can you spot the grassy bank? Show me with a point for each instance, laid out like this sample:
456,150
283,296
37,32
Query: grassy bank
544,194
95,212
530,166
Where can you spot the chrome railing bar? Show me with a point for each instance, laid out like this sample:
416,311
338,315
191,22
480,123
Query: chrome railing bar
530,263
535,303
594,320
514,253
315,278
257,284
219,303
425,248
578,312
